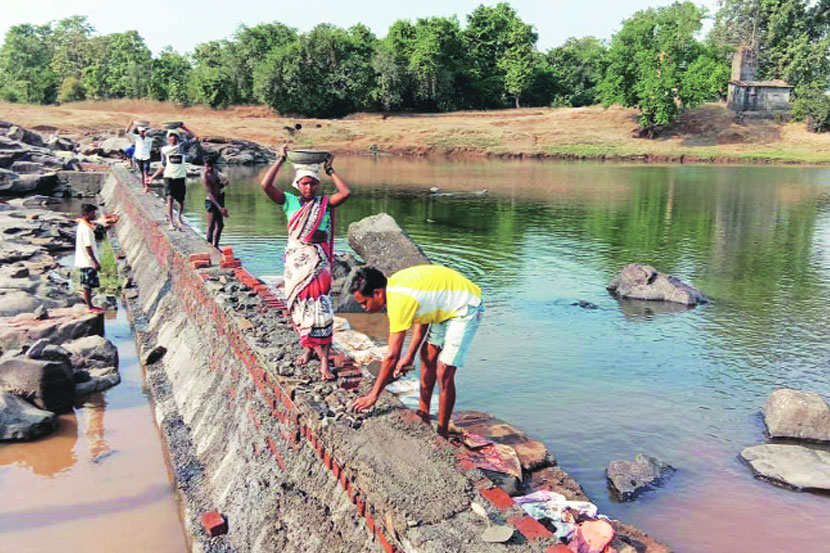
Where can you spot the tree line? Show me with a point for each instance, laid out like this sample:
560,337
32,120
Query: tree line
656,63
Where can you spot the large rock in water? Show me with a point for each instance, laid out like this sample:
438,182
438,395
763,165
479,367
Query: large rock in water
628,479
794,414
20,420
47,384
96,351
383,244
796,466
63,324
643,282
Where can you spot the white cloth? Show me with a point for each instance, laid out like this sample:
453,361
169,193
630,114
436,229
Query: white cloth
174,158
84,237
143,147
311,170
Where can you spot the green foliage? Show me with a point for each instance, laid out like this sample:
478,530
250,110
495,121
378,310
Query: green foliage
71,90
577,68
169,75
211,86
24,64
812,105
108,275
706,79
325,73
121,67
647,62
72,47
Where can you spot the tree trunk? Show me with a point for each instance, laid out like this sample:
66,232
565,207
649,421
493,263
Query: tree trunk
517,102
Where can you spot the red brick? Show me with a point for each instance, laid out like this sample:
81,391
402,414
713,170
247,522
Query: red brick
197,256
200,264
229,264
227,250
214,524
384,542
361,506
559,548
370,520
327,459
530,528
498,498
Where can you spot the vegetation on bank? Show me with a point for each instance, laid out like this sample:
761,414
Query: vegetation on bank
655,63
108,275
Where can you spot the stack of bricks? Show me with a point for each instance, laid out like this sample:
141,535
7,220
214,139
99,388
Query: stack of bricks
200,260
228,261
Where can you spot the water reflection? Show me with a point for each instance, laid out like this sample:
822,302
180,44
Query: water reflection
49,456
601,384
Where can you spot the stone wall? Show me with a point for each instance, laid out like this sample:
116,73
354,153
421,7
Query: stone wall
268,445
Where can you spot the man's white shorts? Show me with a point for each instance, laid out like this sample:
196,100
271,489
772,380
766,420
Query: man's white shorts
455,335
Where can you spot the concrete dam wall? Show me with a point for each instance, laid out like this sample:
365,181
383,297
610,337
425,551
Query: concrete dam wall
271,448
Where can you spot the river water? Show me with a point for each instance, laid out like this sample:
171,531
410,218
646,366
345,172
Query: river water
596,385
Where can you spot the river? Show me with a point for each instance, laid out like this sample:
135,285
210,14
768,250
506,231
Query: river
596,385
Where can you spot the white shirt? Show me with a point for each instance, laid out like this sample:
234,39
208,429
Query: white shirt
174,159
83,238
143,147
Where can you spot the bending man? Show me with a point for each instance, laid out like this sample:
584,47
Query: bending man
423,297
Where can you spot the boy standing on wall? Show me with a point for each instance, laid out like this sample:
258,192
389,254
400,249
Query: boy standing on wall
174,166
86,255
143,145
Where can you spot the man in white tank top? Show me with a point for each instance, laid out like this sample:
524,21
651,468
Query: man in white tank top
143,151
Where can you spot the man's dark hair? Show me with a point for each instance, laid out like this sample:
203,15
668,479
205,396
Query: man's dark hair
210,160
366,281
86,209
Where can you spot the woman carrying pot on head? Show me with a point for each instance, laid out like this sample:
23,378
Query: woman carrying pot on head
308,254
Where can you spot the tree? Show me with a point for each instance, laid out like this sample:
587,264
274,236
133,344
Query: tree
120,67
169,75
647,60
500,42
72,48
577,67
249,46
25,73
326,72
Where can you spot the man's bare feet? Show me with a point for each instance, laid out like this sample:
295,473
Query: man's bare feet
325,370
93,309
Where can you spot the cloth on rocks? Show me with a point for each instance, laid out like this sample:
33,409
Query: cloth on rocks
593,536
564,513
488,455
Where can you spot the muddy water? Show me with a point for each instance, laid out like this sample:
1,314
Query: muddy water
100,484
602,384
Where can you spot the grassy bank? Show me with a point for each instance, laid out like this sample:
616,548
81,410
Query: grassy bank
708,134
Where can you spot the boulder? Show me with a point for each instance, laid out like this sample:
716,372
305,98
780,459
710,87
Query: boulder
95,380
47,384
62,143
20,420
643,282
18,301
383,244
115,145
795,414
533,454
43,349
796,466
63,325
96,351
627,479
20,134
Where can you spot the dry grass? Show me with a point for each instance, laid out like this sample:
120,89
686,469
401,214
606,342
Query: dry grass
708,133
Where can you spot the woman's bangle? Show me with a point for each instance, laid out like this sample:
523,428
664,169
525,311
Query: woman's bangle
329,171
282,159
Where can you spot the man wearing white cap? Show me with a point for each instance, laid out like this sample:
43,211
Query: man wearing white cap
143,148
174,166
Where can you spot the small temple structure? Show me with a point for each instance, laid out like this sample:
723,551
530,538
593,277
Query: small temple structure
755,98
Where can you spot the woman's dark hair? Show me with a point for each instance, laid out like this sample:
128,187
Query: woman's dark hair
210,160
86,209
366,281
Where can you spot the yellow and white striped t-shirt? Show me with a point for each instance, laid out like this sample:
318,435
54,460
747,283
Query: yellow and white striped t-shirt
427,294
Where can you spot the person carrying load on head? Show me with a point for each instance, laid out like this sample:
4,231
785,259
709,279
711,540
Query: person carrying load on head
174,167
438,303
143,147
308,255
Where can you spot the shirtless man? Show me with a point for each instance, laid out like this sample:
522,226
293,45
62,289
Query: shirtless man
214,183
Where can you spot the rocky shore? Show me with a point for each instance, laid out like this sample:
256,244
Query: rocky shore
52,350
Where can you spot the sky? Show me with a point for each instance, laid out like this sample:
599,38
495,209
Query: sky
184,23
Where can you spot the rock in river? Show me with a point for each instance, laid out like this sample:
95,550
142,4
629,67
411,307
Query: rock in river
643,282
20,420
628,479
799,467
795,414
48,384
384,245
96,351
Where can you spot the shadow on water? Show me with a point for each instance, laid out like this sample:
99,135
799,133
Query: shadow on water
597,384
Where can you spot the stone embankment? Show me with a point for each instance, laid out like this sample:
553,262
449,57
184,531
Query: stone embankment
269,458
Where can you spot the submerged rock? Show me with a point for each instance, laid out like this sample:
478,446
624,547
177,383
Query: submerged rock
96,380
627,479
795,414
643,282
383,244
20,420
96,351
796,466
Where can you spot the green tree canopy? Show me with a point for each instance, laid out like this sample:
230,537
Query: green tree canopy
577,68
25,64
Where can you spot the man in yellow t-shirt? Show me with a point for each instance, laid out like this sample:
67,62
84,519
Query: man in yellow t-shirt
423,297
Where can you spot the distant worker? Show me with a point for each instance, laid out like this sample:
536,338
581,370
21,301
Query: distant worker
86,255
174,166
425,298
215,183
308,255
142,150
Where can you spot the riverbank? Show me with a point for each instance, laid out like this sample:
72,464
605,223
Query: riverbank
708,134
